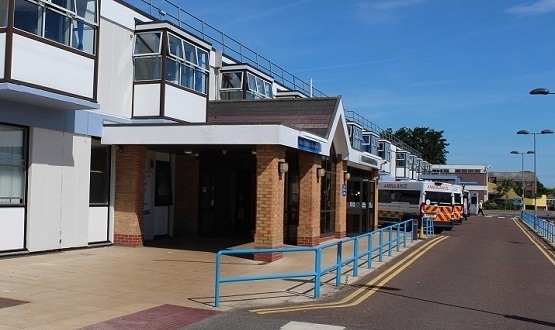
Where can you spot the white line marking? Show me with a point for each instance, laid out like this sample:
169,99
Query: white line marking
293,325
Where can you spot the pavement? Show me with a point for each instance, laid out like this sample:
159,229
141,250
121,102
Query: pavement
166,286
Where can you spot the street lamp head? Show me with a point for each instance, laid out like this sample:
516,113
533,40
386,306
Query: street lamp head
530,152
546,131
540,91
523,131
515,152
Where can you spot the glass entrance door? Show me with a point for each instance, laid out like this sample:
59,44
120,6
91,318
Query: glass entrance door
360,209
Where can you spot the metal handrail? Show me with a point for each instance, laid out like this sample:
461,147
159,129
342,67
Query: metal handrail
384,134
358,259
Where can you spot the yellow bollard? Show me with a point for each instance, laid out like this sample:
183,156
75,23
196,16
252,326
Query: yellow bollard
421,232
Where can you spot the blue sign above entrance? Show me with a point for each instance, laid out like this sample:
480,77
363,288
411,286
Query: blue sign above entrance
309,145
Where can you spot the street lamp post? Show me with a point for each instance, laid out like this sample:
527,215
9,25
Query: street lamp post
522,169
540,91
545,131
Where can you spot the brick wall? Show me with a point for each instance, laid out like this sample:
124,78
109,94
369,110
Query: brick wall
129,196
340,200
308,232
270,187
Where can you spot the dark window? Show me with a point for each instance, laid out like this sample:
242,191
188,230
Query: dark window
13,141
100,173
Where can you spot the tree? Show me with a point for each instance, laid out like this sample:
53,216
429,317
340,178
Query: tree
504,187
430,143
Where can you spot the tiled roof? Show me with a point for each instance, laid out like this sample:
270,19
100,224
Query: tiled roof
314,115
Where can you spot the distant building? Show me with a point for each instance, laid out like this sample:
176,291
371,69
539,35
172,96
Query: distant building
520,179
474,177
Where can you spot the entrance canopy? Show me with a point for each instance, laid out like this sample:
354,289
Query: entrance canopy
201,134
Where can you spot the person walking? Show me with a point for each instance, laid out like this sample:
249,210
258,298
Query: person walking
480,208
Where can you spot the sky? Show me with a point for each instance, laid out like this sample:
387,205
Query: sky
464,67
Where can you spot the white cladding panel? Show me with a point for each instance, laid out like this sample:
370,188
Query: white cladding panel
98,224
75,190
57,204
12,222
115,65
184,105
146,100
2,53
45,65
117,12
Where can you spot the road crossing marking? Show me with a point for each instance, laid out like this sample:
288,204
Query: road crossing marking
366,290
293,325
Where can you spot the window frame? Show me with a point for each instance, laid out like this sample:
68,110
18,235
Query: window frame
18,164
74,21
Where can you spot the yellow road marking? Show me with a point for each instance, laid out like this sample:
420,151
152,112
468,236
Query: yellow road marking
550,256
363,292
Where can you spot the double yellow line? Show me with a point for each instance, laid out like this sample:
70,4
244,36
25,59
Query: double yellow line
550,255
366,290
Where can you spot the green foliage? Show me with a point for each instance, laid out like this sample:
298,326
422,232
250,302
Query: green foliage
430,143
505,186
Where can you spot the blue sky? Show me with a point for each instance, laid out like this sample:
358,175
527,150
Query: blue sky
464,67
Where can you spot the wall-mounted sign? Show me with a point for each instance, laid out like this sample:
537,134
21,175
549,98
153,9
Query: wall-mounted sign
368,160
309,145
475,183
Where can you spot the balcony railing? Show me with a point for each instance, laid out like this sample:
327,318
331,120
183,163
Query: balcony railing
166,10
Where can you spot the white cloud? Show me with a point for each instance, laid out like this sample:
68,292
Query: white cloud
540,7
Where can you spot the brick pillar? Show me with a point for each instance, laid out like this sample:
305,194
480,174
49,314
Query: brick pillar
129,196
340,200
270,187
186,195
308,232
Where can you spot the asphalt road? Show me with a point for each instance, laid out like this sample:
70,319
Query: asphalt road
487,273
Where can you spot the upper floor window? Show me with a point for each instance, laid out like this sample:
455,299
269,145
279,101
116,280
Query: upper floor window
356,137
258,88
148,58
3,13
73,23
13,142
366,143
401,159
186,64
384,150
232,85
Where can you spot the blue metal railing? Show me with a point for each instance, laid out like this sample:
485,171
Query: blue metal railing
428,226
363,254
543,227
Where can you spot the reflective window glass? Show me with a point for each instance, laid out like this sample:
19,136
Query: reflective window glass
232,80
147,43
172,71
67,4
3,13
175,46
190,53
12,164
57,27
87,10
187,76
203,59
28,17
147,68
